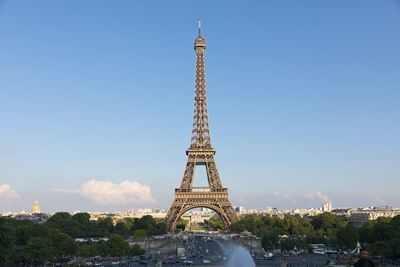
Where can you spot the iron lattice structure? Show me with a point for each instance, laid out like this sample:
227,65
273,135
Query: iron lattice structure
200,152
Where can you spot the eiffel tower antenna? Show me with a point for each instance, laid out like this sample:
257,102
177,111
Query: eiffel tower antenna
199,20
200,152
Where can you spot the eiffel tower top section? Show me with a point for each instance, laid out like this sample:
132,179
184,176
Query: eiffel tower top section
201,139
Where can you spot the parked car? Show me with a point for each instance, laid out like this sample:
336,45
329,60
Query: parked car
187,262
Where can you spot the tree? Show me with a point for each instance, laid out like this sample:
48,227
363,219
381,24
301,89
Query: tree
381,248
122,229
143,223
236,227
116,246
63,222
87,250
181,224
148,223
139,234
270,239
327,224
7,241
82,218
29,230
136,250
87,228
216,223
105,226
64,246
59,216
347,237
38,251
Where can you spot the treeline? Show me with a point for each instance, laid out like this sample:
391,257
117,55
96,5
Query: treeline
380,237
28,243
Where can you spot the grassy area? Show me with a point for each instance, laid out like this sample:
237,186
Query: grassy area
197,227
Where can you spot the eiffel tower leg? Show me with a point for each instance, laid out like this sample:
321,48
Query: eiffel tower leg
230,214
213,177
172,217
188,175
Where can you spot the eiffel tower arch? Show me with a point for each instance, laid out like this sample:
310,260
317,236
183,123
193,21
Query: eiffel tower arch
200,152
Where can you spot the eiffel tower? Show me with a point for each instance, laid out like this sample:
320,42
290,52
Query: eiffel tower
200,152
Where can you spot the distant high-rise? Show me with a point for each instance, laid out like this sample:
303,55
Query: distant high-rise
239,209
36,207
327,207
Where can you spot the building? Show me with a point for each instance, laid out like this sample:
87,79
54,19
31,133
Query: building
36,208
327,207
240,210
360,216
358,219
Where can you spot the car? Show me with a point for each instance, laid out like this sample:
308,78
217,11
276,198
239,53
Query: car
268,255
187,262
205,261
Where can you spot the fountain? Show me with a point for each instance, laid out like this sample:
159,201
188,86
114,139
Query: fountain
240,257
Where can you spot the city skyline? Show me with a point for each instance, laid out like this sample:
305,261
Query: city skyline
303,106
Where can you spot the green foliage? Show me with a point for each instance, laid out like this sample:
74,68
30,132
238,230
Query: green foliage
81,218
347,237
216,223
105,225
271,228
29,230
78,225
7,241
259,225
139,234
123,227
293,243
38,251
87,250
64,246
382,236
327,224
148,223
181,225
59,216
116,246
26,243
136,250
63,222
270,239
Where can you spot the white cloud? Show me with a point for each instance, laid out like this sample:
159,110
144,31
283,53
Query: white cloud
285,196
107,192
7,193
318,195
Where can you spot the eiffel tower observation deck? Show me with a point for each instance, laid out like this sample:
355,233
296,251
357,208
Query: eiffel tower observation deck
200,152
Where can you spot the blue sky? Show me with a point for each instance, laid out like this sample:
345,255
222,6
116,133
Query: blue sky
303,96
